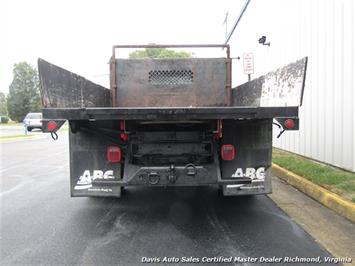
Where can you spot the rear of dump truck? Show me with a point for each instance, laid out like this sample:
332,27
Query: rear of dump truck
171,122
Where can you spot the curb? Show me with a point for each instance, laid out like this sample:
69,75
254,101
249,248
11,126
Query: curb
329,199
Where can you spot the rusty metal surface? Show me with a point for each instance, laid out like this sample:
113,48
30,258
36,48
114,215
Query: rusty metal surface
113,86
229,79
280,88
61,88
192,82
168,113
113,72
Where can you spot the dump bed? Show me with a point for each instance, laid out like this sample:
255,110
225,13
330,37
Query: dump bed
189,88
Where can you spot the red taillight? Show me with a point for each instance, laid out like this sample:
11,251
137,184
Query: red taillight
52,126
227,152
114,154
289,123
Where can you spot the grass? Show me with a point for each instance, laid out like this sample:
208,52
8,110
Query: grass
334,179
64,127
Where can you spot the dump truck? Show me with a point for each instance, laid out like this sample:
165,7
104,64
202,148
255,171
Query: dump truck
171,122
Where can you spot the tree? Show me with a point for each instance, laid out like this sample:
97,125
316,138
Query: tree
3,107
23,92
158,53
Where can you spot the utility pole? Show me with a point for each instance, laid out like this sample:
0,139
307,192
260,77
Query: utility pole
237,21
226,22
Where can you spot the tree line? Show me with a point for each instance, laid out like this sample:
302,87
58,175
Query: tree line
23,96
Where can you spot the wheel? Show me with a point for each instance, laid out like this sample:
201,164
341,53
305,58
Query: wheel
29,129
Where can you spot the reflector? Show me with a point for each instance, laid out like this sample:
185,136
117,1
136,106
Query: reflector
227,152
114,154
289,123
52,126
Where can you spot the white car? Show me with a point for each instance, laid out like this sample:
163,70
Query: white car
33,120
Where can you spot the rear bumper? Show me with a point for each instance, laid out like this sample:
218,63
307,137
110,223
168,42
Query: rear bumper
34,126
189,175
160,176
230,187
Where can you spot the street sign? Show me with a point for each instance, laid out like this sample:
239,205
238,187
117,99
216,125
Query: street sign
248,63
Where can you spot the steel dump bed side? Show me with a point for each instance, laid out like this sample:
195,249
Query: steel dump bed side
171,89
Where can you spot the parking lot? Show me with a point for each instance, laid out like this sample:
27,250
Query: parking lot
18,129
41,224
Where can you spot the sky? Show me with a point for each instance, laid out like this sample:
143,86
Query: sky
78,35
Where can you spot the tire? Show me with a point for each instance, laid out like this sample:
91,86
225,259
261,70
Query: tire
29,129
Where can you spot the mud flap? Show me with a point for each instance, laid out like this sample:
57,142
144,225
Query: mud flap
254,188
89,166
252,140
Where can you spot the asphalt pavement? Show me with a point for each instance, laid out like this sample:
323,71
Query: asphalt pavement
41,224
18,129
